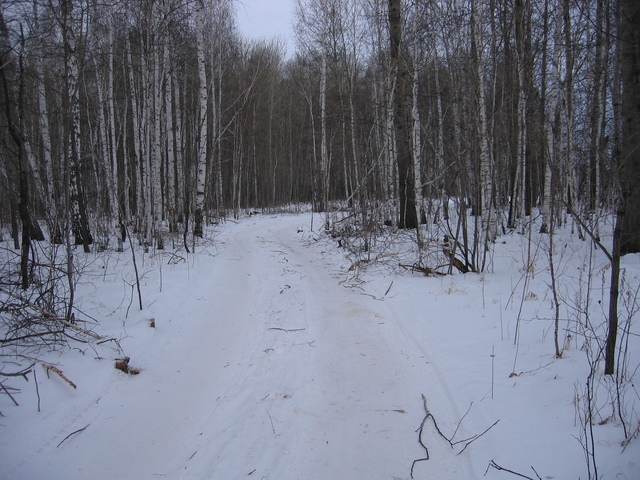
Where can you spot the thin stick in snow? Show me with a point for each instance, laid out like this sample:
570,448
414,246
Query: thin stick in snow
271,420
498,467
73,433
288,330
466,441
9,394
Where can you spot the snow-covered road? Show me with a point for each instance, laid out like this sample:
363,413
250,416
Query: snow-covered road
270,359
263,365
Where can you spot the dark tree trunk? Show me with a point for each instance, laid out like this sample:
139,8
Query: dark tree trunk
630,141
610,348
406,176
15,125
626,235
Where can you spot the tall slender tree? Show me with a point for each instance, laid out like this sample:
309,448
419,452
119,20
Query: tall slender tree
402,96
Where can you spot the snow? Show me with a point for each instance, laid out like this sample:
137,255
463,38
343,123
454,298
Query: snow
271,359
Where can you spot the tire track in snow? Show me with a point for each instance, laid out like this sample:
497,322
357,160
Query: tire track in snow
368,372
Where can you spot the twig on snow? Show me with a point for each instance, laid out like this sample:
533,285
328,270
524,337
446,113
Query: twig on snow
288,330
48,367
271,420
498,467
73,433
9,393
472,439
22,373
466,441
627,440
421,429
35,379
426,271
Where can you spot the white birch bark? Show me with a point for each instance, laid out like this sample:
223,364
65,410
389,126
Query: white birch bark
215,120
439,160
146,116
201,169
180,175
550,127
486,188
49,197
114,197
324,197
570,163
156,158
78,223
520,183
597,113
104,148
390,139
416,143
170,164
135,120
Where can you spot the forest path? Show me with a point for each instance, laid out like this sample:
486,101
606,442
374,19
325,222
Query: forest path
266,366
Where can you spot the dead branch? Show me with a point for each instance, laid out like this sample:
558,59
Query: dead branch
78,329
48,367
357,263
22,373
428,272
288,330
73,433
627,440
590,233
498,467
421,429
466,441
470,440
49,315
271,420
31,335
9,393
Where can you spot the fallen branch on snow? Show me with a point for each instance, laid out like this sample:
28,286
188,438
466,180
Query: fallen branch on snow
426,271
73,433
498,467
50,316
48,368
466,441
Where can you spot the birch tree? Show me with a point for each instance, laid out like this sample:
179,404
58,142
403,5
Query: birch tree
315,29
77,206
486,175
597,114
552,123
519,190
416,140
203,100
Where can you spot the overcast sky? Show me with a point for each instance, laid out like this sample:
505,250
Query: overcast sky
266,19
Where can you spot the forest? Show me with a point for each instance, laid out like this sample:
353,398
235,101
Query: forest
153,118
138,124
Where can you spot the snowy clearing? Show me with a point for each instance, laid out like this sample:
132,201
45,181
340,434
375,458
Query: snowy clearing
269,360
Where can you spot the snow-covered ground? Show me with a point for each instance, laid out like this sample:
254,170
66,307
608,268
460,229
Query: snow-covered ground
271,359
